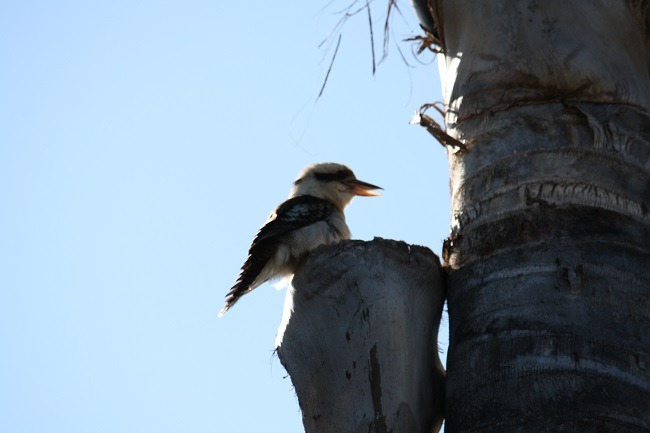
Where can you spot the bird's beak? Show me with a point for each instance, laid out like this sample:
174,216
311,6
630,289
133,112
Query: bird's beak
359,187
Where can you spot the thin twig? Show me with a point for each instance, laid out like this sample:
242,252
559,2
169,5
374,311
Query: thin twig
391,4
336,50
372,38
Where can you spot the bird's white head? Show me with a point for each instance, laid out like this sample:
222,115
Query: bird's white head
333,182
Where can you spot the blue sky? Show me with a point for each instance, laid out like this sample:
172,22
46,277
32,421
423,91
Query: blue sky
142,144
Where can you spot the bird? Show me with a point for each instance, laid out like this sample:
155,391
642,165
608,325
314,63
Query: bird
310,217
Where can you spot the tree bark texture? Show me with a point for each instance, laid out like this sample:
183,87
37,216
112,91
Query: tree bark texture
549,257
359,338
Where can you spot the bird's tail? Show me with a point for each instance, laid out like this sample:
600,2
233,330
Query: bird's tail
232,297
224,309
244,284
253,273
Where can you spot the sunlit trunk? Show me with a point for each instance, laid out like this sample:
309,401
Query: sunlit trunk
549,256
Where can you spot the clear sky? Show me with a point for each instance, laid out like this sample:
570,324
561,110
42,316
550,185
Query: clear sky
142,144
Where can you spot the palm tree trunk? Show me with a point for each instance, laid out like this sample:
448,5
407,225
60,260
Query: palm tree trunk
549,257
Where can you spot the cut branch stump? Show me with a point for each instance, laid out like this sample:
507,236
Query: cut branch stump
359,338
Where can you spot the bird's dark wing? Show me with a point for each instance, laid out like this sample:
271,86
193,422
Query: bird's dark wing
293,214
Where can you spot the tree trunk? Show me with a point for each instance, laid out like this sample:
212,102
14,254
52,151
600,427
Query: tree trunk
549,257
359,338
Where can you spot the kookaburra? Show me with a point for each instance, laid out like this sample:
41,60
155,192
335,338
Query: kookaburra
311,216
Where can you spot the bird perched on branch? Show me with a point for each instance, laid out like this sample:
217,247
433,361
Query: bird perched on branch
311,216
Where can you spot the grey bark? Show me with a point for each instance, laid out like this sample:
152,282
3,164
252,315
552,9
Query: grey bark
549,258
359,338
